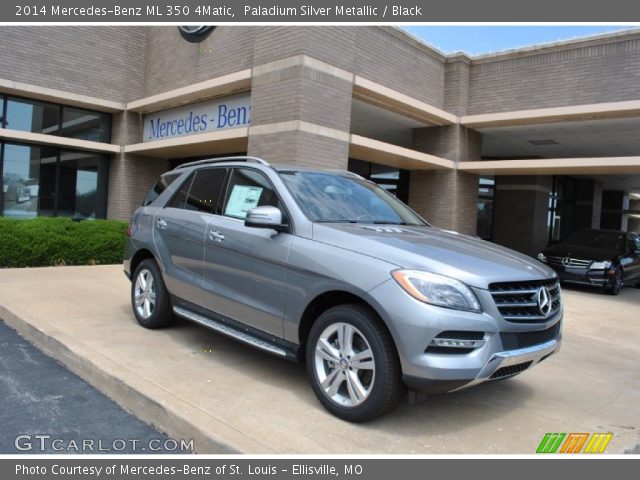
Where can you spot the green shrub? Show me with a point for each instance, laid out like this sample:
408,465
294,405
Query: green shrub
46,241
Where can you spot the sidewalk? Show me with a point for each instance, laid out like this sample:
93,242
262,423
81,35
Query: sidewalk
228,397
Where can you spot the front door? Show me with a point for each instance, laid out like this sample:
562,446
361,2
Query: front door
245,268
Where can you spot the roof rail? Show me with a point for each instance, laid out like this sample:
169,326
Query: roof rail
223,159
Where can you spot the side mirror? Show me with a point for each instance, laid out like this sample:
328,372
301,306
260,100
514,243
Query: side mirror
265,217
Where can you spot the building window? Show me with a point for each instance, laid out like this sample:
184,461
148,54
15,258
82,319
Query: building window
393,180
48,181
31,116
486,193
43,117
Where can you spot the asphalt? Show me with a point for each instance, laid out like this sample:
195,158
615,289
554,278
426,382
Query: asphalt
228,397
51,410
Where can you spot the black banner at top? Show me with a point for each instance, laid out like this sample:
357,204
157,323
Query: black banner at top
317,11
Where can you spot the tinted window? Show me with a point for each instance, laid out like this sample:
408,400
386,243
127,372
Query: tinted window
180,197
85,124
327,197
248,189
597,239
204,194
32,116
161,185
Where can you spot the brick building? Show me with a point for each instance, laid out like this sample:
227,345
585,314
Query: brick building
520,147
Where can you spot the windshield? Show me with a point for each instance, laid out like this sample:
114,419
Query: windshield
597,239
328,197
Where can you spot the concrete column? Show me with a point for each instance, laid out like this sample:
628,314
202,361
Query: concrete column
130,176
300,106
447,198
520,212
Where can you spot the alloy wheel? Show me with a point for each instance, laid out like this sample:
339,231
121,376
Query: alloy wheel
144,293
344,364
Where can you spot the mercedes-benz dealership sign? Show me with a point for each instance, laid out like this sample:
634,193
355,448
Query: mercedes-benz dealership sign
208,116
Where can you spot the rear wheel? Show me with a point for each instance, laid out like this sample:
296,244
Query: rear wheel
617,283
352,364
149,296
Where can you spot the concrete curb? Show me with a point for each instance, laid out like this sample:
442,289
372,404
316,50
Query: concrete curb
135,396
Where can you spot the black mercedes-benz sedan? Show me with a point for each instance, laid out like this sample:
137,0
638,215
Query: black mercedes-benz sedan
603,258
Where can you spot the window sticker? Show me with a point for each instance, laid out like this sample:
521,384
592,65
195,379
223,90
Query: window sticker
242,199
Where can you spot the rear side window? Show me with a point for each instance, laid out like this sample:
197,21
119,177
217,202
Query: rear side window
248,189
161,185
204,195
201,192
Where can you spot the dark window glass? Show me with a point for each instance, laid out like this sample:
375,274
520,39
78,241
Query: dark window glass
161,185
46,181
180,197
484,223
248,189
204,194
85,125
32,116
82,187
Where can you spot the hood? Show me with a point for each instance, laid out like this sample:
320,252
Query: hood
581,251
468,259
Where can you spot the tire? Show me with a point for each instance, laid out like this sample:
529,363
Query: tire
150,303
356,394
617,283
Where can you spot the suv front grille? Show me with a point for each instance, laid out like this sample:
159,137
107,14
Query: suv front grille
515,340
569,262
518,301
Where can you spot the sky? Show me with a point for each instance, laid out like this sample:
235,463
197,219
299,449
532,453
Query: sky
478,40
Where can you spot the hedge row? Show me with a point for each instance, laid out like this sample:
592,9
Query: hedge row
45,241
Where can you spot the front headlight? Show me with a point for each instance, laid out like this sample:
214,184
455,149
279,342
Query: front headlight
601,265
542,257
437,290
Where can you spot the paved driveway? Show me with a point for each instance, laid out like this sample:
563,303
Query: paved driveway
197,384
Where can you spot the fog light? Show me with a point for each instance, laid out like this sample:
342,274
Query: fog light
456,343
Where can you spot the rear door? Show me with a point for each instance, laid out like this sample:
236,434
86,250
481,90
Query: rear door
632,258
245,268
179,232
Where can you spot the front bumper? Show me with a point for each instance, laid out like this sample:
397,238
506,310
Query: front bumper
584,276
414,325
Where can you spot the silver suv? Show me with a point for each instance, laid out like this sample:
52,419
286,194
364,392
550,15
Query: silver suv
328,268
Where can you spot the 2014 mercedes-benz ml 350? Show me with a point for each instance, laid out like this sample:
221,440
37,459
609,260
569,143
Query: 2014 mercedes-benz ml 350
328,268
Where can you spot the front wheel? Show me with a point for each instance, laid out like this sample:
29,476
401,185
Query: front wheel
617,283
149,296
352,364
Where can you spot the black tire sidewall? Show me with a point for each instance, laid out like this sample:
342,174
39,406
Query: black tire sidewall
162,314
387,380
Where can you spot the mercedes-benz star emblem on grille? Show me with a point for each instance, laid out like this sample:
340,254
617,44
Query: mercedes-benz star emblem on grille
544,301
566,261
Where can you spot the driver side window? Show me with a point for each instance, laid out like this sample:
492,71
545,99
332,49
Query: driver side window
248,189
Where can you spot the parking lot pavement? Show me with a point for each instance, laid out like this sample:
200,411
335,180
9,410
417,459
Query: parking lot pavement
228,397
47,409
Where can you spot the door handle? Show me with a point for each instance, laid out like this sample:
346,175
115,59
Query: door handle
161,223
216,235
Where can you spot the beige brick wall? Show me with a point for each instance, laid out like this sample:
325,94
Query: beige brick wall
99,61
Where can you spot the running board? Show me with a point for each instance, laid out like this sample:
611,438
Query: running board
229,331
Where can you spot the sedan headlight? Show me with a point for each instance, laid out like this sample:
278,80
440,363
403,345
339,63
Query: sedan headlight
437,290
601,265
542,257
